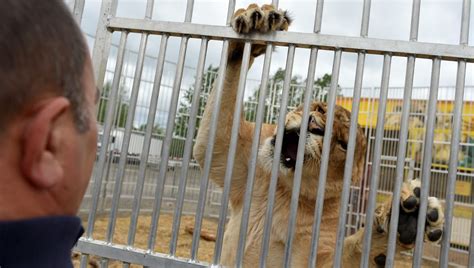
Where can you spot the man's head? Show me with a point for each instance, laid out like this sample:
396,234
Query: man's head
47,121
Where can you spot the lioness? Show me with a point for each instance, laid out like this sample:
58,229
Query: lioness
267,19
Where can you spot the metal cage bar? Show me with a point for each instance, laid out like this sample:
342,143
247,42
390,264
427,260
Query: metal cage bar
427,161
471,243
147,141
402,146
300,157
276,158
455,140
205,171
78,10
349,160
236,122
165,150
126,141
103,40
188,147
352,140
210,148
323,170
303,40
106,138
374,178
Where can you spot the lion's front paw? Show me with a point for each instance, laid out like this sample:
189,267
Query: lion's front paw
409,204
260,19
408,218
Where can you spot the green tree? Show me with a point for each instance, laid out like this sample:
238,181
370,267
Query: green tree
120,115
322,86
184,109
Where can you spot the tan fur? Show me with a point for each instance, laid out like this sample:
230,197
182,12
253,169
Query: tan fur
242,23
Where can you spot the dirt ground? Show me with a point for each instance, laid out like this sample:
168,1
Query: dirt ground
206,248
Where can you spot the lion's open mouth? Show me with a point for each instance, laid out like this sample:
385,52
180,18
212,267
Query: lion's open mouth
289,149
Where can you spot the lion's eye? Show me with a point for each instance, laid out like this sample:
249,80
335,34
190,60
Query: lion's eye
321,110
343,145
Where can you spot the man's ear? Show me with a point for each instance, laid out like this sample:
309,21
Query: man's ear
40,142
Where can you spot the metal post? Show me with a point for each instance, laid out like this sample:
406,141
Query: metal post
455,140
147,141
426,165
374,178
352,140
126,139
300,156
323,170
188,147
210,148
407,95
219,84
165,150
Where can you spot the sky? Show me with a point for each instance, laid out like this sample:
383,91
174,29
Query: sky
440,22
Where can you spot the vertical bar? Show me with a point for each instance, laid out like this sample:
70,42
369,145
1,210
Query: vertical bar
188,146
212,136
78,10
349,159
276,160
324,159
471,243
237,114
352,139
300,156
256,141
426,164
402,146
147,141
165,150
455,140
210,148
364,28
149,9
103,40
453,163
374,180
399,173
253,155
106,136
126,139
415,20
189,11
109,121
319,16
230,11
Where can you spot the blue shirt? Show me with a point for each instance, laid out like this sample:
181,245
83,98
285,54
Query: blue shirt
39,242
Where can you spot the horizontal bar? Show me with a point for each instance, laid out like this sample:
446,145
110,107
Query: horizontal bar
130,255
305,40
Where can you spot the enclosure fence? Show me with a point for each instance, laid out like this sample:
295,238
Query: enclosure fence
148,169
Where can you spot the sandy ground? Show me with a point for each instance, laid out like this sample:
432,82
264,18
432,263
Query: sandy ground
206,248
